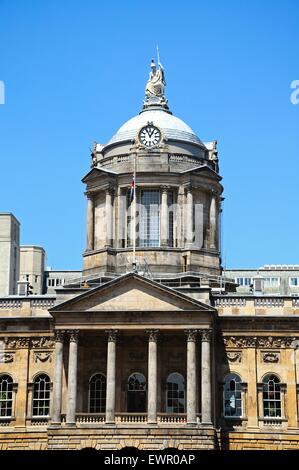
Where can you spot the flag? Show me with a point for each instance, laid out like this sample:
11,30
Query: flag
132,193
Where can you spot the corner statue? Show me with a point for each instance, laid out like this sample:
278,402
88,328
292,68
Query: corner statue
154,90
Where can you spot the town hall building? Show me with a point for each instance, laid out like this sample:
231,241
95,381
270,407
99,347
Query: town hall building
151,346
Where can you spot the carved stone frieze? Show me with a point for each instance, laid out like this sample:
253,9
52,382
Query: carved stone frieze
259,341
26,342
17,343
43,342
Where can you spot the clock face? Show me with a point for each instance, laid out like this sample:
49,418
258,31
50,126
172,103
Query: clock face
149,136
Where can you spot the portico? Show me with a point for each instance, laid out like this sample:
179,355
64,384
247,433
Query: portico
153,366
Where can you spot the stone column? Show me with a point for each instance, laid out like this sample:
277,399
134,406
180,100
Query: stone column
206,384
164,217
189,218
72,378
180,218
111,363
90,223
213,223
109,217
152,376
191,376
121,217
57,379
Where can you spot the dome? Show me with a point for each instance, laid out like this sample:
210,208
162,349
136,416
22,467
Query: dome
172,127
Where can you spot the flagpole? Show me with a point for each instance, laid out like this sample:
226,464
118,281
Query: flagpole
134,216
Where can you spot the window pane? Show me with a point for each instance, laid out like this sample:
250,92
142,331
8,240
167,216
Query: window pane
149,217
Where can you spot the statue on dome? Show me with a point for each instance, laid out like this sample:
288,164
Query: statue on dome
156,82
155,86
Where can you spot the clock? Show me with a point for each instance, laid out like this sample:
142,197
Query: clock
149,135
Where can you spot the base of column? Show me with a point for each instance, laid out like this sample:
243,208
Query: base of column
71,424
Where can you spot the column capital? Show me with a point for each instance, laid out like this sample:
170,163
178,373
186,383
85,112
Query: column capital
189,188
73,335
164,188
191,335
112,335
110,190
152,334
59,335
206,335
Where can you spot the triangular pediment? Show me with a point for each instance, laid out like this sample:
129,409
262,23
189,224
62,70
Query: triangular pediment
131,293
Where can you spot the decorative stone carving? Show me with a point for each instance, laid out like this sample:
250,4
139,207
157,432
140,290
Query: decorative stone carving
206,335
59,335
6,357
43,356
272,357
73,335
152,335
191,335
16,343
259,342
112,335
43,342
234,356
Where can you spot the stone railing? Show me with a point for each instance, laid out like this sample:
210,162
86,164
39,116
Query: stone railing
6,420
178,157
166,418
10,303
86,418
272,422
113,160
231,302
131,418
42,303
269,302
37,420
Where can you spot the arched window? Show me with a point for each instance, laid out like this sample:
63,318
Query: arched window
97,393
175,393
272,396
232,396
5,395
41,395
136,395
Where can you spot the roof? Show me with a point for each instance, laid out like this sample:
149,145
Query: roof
172,127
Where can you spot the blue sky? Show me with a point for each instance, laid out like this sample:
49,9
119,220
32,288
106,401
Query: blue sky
75,70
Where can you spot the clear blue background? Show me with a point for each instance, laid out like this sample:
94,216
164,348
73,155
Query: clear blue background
75,71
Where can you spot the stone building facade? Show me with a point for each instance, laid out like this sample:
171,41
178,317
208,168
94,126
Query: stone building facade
149,348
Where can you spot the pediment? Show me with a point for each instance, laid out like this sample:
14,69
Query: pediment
131,293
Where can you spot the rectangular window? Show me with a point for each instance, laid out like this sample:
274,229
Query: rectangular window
244,281
294,281
35,279
51,282
271,281
149,218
